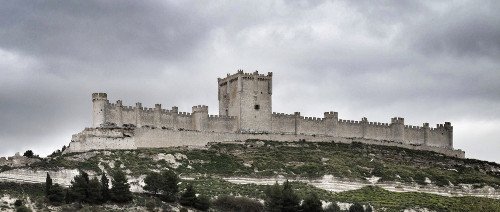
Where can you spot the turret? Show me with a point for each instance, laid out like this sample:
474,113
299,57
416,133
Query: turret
426,133
119,110
99,102
200,117
398,129
449,131
138,114
157,115
364,124
331,120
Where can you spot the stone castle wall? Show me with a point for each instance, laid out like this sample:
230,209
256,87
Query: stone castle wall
149,137
245,107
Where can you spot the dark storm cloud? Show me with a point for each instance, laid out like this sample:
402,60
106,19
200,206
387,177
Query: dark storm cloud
100,31
428,61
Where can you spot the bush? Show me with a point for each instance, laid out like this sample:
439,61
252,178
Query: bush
56,194
23,208
150,205
356,207
441,181
274,198
312,204
188,198
291,201
18,203
333,207
202,203
242,204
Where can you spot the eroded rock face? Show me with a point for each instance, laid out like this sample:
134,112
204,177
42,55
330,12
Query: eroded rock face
17,161
62,177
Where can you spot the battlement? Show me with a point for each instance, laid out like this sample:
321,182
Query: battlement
221,117
397,120
311,118
412,127
200,109
377,124
331,114
245,106
283,115
348,121
241,73
99,96
184,114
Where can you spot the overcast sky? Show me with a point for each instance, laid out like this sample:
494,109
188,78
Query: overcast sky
426,61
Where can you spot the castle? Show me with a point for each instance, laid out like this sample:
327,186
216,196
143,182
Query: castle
245,112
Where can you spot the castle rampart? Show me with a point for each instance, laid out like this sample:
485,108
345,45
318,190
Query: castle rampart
245,108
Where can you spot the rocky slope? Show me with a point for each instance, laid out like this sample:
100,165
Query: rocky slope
338,172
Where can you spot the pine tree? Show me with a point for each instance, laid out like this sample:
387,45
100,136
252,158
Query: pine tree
274,198
291,202
79,190
104,188
29,154
188,198
120,192
164,183
94,193
169,186
56,194
312,203
48,184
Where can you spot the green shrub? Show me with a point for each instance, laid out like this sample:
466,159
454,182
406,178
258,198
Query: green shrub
242,204
23,208
188,198
312,203
332,207
356,207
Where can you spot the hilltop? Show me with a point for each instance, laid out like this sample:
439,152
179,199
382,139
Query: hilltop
388,178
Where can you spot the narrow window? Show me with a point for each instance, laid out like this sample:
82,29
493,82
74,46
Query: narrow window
257,107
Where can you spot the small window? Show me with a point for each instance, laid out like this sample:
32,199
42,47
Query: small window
257,107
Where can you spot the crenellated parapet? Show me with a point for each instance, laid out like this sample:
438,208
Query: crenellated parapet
245,107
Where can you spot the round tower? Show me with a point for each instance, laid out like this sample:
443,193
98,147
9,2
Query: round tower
99,101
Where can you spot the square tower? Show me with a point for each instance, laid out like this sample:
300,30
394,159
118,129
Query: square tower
248,97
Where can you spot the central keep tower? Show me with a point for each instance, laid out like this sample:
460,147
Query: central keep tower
248,97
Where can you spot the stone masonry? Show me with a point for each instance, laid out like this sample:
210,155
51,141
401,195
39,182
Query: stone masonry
245,112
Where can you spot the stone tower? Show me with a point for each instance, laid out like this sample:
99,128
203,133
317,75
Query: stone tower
99,101
248,97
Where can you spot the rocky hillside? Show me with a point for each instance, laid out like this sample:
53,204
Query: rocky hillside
388,178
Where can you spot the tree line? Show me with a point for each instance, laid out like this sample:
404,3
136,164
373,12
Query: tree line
165,186
91,191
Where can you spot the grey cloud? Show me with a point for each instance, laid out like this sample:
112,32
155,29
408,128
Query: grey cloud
427,61
466,30
104,32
